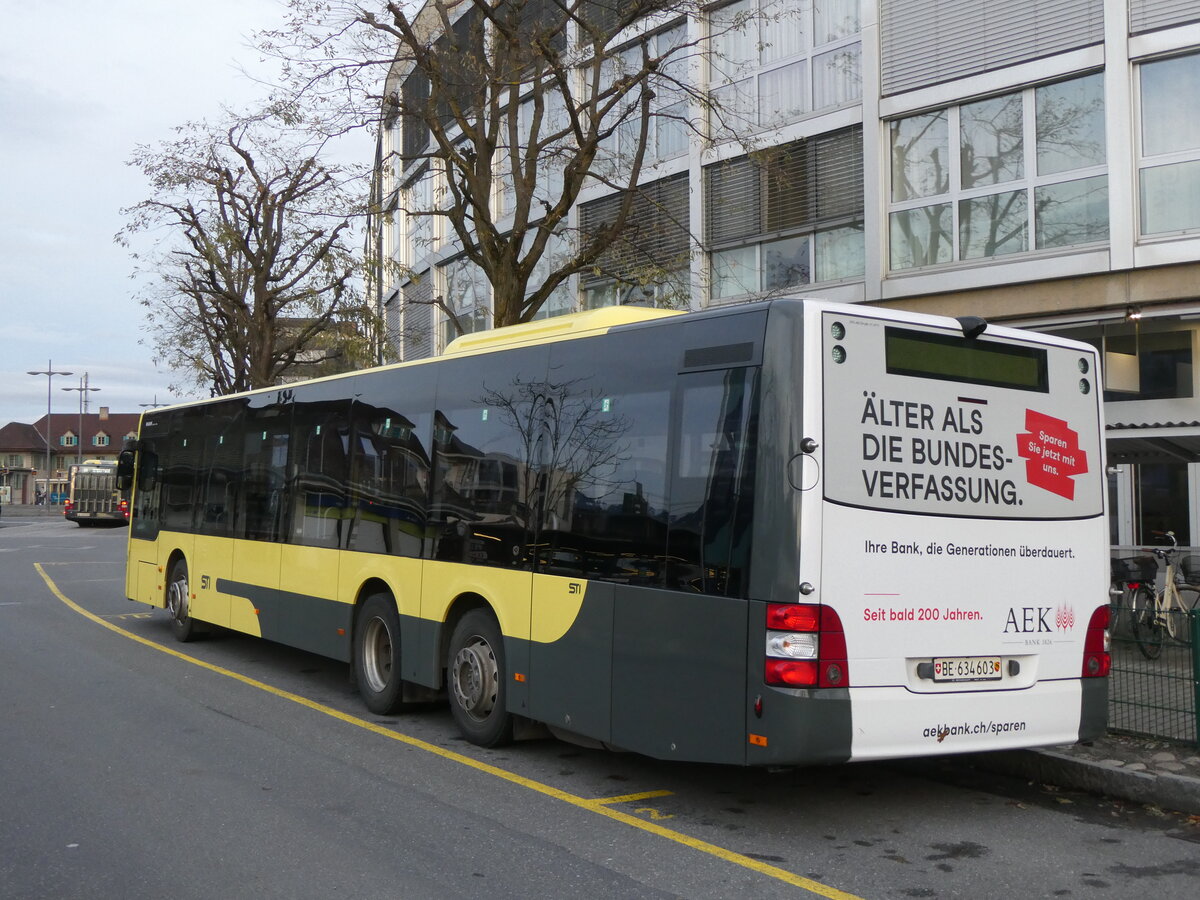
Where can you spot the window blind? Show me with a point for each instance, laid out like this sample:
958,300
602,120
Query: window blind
927,42
418,318
1150,15
788,188
656,234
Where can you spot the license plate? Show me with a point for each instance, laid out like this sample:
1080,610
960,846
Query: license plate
967,668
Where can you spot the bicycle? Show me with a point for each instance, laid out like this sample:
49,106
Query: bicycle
1132,588
1169,612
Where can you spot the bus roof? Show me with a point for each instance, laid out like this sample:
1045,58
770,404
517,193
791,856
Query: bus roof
554,329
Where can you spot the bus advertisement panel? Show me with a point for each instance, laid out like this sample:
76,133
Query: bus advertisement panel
965,477
788,532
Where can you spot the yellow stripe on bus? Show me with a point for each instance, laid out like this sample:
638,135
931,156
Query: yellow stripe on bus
600,806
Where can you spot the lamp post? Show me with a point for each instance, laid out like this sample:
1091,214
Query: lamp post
49,373
83,401
154,405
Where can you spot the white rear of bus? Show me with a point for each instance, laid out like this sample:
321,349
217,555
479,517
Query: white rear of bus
963,537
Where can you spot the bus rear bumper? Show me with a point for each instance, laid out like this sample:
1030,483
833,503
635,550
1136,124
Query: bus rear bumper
892,722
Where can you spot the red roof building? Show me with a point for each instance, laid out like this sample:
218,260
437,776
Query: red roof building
72,438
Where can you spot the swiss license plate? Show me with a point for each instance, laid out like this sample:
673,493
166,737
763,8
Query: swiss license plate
967,668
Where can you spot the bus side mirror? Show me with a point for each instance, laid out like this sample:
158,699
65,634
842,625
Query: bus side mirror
125,470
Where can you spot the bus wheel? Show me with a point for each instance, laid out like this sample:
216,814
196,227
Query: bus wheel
377,654
183,626
477,680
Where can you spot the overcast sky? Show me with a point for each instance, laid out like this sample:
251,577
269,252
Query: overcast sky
81,83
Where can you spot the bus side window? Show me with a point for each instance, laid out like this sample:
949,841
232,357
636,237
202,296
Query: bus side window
604,503
486,430
220,470
319,469
712,485
264,467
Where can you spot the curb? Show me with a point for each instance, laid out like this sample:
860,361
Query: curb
1176,792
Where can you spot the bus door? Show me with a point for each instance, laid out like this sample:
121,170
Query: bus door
638,589
480,532
259,524
218,476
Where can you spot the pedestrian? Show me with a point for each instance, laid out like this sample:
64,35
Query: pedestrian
39,498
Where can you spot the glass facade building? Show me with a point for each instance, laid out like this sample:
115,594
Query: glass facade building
1036,163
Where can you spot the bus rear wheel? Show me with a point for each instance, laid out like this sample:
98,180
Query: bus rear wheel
377,655
183,626
477,680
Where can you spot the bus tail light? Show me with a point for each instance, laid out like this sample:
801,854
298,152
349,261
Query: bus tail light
68,505
1096,657
123,506
805,647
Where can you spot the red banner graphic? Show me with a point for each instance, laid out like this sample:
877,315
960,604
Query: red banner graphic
1051,453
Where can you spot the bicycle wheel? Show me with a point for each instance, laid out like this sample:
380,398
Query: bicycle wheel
1179,625
1147,627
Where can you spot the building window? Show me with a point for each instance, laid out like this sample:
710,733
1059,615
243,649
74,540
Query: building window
647,262
998,176
1147,360
100,440
786,217
68,440
773,61
1170,145
418,216
15,461
1148,365
668,133
561,300
465,290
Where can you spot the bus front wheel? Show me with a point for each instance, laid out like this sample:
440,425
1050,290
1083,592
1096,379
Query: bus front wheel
476,675
183,626
377,655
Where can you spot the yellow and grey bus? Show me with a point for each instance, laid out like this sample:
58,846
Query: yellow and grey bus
785,532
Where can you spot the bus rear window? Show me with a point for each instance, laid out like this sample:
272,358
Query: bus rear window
947,357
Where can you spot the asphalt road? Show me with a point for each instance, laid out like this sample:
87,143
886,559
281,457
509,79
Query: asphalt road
135,767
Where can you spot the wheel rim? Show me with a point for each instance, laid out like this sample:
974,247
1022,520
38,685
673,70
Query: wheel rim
475,678
177,598
377,655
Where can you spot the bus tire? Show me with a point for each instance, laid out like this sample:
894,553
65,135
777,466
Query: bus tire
477,680
377,654
183,626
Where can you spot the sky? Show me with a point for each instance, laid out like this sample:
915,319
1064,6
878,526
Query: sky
81,84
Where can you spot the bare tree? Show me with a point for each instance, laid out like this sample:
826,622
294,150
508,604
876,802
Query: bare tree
512,108
253,279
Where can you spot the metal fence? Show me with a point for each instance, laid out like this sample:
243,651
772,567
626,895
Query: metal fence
1154,696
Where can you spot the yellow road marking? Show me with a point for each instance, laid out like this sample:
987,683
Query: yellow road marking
626,798
598,806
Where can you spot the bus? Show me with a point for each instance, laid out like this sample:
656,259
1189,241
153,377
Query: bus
92,495
787,532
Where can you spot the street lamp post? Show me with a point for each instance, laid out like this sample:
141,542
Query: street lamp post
49,373
83,402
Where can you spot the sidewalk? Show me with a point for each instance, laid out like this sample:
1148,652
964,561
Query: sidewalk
10,511
1142,770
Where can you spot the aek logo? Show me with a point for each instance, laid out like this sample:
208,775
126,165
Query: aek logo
1035,619
1027,619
